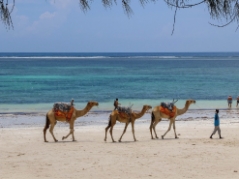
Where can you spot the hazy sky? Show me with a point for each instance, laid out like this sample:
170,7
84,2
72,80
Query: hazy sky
62,26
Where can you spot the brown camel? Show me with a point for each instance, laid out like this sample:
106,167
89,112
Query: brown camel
157,115
115,116
51,119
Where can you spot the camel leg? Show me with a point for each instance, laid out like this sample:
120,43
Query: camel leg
154,125
126,125
65,137
111,131
44,133
169,127
174,128
70,133
132,124
151,125
73,136
45,128
106,129
150,128
51,131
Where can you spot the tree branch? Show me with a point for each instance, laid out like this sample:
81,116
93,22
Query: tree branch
218,9
5,14
184,5
174,19
234,15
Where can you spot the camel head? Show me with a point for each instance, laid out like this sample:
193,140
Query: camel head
92,103
190,101
147,107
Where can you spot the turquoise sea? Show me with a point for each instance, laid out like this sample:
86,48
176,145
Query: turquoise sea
32,82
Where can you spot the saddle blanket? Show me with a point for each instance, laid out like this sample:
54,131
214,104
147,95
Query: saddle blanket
124,115
63,110
124,112
63,114
167,111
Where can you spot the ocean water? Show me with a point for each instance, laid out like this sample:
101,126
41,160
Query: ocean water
33,82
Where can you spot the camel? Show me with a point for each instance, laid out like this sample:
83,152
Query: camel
115,116
157,115
51,119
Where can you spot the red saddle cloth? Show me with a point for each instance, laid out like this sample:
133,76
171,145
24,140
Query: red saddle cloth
62,114
167,111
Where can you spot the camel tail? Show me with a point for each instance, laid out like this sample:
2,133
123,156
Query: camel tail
47,123
109,124
152,119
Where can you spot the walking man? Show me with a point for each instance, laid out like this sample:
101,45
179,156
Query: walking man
229,100
217,125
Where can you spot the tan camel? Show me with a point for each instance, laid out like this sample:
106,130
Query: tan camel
115,116
157,116
51,119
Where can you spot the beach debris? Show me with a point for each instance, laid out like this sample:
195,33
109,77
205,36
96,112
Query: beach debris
20,154
235,171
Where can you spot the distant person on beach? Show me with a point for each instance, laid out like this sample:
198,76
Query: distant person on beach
229,100
237,100
217,125
116,104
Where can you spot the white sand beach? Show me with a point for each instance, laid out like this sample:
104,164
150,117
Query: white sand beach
24,154
68,58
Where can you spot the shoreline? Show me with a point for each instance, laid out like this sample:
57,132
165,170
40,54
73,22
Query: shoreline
108,106
16,120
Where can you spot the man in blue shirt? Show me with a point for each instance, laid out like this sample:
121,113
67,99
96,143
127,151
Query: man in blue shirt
217,125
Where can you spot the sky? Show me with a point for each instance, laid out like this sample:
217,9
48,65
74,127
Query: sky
62,26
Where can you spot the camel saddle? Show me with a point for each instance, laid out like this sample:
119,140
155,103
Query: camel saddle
124,112
124,115
63,110
165,110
